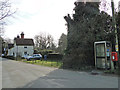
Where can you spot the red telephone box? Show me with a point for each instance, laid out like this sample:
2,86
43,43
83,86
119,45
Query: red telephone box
114,56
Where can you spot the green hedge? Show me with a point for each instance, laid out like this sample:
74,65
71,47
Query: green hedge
43,52
9,57
55,56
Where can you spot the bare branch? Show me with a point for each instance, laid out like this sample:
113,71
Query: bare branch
43,41
5,9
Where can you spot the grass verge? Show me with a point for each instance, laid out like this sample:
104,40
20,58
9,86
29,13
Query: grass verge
49,63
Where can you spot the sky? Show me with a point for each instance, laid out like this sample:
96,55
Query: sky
35,16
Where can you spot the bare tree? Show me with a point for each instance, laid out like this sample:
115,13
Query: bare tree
5,11
44,41
119,6
8,40
1,45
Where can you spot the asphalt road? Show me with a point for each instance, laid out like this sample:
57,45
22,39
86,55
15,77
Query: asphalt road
22,75
0,73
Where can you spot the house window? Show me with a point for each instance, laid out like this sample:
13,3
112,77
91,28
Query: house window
25,47
25,53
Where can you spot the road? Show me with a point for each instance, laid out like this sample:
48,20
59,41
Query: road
0,73
22,75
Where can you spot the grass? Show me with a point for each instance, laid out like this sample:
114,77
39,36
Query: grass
48,63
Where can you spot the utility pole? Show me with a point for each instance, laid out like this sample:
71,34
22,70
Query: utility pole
115,28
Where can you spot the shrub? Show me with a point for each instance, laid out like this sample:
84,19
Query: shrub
55,56
10,57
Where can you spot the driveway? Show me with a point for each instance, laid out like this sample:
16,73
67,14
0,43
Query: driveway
17,74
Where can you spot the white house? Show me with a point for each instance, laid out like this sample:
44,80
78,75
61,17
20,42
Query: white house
21,47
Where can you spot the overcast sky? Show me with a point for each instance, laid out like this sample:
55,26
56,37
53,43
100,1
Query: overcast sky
35,16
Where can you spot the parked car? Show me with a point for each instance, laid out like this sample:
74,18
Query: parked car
2,55
25,56
34,57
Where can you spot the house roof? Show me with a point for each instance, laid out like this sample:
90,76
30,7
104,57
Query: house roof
28,42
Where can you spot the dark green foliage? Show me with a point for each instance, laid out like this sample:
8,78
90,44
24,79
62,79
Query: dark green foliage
45,51
9,57
87,26
62,44
55,56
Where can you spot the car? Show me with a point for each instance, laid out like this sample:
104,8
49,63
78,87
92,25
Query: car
2,55
34,57
25,56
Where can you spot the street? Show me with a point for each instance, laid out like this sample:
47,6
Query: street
0,73
17,74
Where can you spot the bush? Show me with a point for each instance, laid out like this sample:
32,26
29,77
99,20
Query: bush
55,56
78,59
10,57
44,52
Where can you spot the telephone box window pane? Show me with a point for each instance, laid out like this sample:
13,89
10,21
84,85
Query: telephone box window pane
100,50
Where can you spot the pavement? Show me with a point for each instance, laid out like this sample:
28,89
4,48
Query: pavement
17,74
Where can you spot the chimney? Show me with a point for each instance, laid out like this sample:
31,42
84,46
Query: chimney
22,35
18,36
